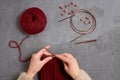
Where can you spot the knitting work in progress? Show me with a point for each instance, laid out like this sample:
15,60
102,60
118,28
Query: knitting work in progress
33,21
53,70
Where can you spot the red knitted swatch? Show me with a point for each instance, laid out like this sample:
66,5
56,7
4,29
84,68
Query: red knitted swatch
53,70
33,20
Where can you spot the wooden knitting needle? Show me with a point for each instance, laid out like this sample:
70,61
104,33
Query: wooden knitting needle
65,18
52,55
94,40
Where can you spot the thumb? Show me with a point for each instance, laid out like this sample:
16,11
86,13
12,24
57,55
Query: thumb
46,60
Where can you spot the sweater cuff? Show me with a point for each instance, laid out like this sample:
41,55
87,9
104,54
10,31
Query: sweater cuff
24,76
83,76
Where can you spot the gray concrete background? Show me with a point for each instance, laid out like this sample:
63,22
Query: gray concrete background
100,59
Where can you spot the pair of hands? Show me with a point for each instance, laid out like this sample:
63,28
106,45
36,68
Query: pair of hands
70,63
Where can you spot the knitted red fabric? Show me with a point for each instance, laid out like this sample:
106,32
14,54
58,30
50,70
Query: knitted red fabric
33,20
53,70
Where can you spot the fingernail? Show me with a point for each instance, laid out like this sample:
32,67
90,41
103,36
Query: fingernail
50,57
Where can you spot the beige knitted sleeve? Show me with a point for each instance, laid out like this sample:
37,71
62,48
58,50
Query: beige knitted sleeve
24,76
83,76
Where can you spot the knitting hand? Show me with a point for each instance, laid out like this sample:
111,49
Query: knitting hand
36,63
70,64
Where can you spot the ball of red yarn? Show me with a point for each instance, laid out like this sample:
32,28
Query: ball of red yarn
33,21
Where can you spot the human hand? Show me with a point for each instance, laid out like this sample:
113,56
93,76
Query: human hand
36,63
70,64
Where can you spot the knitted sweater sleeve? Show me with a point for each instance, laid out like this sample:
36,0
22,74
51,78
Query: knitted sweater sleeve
83,76
24,76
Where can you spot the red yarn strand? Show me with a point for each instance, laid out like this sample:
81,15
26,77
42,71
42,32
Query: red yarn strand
18,46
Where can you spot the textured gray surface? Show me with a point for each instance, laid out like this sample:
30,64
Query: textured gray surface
100,59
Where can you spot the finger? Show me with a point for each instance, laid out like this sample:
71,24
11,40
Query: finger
63,58
41,52
47,53
46,60
68,55
65,66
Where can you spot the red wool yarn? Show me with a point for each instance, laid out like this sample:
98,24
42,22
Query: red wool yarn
33,21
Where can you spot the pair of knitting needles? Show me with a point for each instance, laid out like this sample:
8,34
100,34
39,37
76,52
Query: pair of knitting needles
87,41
